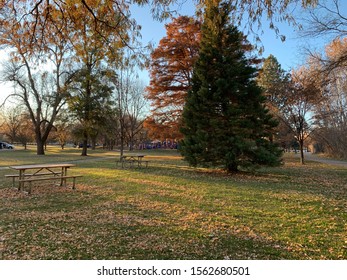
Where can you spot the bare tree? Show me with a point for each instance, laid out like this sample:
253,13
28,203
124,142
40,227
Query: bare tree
130,104
297,111
135,109
41,98
327,19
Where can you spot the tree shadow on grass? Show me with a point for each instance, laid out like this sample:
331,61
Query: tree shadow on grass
125,231
315,180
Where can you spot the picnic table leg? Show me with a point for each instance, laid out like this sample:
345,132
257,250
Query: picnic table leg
63,173
21,176
29,191
73,183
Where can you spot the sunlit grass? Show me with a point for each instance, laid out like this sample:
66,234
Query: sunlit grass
172,211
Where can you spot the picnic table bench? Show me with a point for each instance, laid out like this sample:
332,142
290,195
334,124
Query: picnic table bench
42,172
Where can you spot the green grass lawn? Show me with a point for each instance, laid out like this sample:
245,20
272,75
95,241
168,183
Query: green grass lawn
172,211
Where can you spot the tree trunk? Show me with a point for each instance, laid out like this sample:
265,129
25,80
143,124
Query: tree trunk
131,144
85,143
232,167
40,146
302,159
121,147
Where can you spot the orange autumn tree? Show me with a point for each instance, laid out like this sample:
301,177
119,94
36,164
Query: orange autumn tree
171,70
336,53
331,111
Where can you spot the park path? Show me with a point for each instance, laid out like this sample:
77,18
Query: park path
313,157
308,156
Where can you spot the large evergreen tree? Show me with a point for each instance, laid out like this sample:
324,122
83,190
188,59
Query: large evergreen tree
225,122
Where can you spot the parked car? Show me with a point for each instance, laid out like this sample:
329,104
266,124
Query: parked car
80,145
5,145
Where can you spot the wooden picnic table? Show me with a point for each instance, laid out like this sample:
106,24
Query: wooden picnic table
42,172
131,159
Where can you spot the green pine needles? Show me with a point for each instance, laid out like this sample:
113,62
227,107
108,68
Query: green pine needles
225,122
